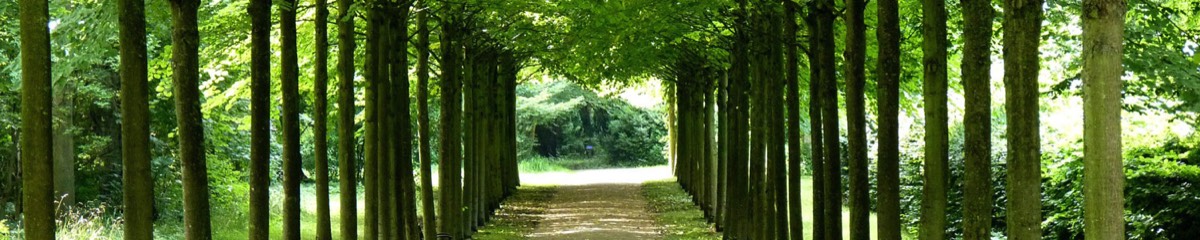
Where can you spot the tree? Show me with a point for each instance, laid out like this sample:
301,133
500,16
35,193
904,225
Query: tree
815,101
856,119
427,211
405,189
37,178
1023,27
977,147
450,147
888,97
794,142
135,130
1104,178
260,119
346,110
937,146
290,72
829,116
371,147
321,130
186,64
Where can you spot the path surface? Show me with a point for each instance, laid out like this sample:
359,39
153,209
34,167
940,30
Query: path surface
598,204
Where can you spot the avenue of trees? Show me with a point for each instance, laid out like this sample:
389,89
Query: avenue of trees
937,119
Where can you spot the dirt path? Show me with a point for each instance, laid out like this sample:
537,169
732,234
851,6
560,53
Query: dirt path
599,204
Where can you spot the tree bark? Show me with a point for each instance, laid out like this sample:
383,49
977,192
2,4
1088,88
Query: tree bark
888,97
794,141
424,151
829,116
290,73
347,182
260,119
856,119
138,179
739,208
321,107
406,211
370,122
450,148
1103,177
37,163
186,62
937,161
1023,24
815,101
977,147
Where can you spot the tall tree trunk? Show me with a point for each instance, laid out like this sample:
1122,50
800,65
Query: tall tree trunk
384,180
450,148
290,73
888,97
186,62
138,179
976,81
937,161
424,151
64,144
794,142
406,211
722,180
1023,24
37,163
321,107
370,121
776,138
832,175
739,80
1104,179
856,119
347,182
710,160
815,101
260,119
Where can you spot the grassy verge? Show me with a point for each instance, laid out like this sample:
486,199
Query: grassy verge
673,209
520,214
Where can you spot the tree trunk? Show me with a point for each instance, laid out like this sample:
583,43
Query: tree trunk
856,119
739,80
710,160
977,146
937,161
260,119
1023,21
406,208
722,181
135,128
290,73
424,151
815,101
321,130
794,142
775,82
450,148
829,116
186,62
888,97
1104,179
370,124
37,164
64,145
384,180
347,182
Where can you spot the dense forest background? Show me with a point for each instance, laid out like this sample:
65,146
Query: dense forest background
610,46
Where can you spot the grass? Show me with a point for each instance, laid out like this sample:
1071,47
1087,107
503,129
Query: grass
519,215
673,209
539,164
683,220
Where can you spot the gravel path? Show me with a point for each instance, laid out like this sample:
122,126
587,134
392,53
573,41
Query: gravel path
599,204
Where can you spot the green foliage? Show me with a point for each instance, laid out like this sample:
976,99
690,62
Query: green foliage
563,119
